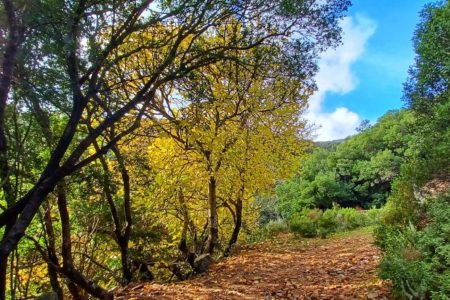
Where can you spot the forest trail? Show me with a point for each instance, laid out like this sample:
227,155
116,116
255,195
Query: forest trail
341,267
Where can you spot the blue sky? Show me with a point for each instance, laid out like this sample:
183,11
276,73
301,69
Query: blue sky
363,78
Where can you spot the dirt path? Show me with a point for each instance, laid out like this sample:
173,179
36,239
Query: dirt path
342,267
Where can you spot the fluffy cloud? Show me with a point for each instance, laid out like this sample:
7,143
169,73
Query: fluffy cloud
335,76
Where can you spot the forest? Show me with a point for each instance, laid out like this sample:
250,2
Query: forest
145,143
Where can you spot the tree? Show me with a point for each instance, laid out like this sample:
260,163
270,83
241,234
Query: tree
364,125
427,91
234,110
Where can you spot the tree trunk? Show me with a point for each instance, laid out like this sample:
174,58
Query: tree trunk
7,70
121,238
127,276
76,278
125,237
66,239
3,275
213,224
188,255
237,227
51,252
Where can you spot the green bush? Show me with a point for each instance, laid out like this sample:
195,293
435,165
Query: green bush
349,218
403,262
312,223
373,216
276,227
268,231
418,261
306,223
327,223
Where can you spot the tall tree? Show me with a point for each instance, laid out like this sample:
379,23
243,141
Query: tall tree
427,90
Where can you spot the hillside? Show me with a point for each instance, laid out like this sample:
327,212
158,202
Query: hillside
329,145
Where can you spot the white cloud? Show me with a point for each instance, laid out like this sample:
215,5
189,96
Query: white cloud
338,124
335,76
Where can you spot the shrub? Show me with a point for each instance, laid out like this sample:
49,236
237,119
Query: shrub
402,262
268,209
327,223
276,227
312,223
418,261
402,208
269,230
305,224
349,218
373,216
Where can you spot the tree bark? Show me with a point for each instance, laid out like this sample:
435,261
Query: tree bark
66,239
51,252
237,227
188,255
9,57
213,224
125,237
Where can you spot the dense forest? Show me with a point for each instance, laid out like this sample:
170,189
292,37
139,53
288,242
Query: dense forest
142,140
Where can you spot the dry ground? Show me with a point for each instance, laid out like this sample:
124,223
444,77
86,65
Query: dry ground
341,267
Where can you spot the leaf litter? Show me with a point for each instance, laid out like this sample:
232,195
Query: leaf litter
341,267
